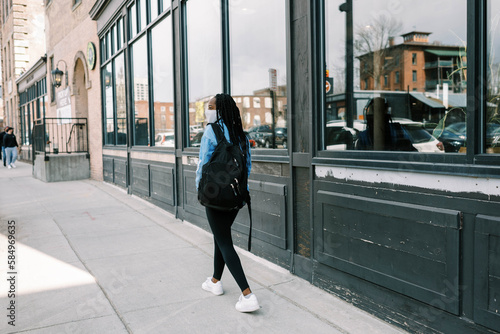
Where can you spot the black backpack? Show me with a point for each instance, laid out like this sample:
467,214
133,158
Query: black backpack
224,178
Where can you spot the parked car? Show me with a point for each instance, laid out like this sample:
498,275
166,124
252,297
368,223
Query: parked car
196,141
454,136
165,139
339,136
262,134
281,137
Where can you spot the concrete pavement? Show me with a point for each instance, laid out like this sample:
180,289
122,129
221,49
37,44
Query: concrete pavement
91,259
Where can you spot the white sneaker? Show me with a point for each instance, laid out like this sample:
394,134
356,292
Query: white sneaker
13,166
9,166
215,288
247,304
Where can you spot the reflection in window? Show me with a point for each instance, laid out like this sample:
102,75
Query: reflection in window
205,72
163,83
492,130
121,98
140,86
398,106
258,68
109,127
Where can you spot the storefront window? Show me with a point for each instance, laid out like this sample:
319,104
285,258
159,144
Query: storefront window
258,69
204,61
424,109
109,128
163,84
121,98
492,126
140,88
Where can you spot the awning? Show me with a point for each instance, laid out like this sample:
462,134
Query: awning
447,53
431,103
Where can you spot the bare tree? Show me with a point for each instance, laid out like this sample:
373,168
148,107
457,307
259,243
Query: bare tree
371,46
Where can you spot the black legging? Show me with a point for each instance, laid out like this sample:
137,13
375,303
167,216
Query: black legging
220,223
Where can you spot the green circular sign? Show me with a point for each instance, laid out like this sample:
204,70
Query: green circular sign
91,55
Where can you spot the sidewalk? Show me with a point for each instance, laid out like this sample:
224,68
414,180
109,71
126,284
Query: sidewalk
91,259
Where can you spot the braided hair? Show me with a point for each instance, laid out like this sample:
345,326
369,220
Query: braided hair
230,114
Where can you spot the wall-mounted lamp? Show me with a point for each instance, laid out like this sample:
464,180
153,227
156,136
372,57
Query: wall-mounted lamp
107,78
57,74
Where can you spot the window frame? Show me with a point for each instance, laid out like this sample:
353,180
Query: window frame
262,154
123,25
473,163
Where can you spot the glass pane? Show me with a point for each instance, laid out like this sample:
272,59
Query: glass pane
119,33
410,71
113,39
205,73
132,16
492,130
163,84
258,69
154,9
121,98
140,86
109,127
142,12
108,45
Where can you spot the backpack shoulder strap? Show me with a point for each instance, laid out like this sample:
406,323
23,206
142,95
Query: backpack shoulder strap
219,134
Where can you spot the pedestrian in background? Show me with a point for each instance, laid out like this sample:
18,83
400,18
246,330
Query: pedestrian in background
223,110
10,144
1,144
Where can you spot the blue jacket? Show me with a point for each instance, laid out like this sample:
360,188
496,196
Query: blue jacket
208,145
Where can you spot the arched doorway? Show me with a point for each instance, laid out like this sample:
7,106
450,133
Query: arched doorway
80,90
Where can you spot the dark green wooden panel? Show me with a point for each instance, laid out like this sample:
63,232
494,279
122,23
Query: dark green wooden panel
486,271
268,210
120,172
162,184
107,172
411,249
140,178
399,234
191,203
494,294
268,213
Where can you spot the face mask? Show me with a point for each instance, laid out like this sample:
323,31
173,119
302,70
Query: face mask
210,115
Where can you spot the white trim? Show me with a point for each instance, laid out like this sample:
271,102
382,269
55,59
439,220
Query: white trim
454,184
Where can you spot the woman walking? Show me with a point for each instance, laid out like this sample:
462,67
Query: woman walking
10,144
223,110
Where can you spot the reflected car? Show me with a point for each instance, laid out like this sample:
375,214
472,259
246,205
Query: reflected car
196,141
420,138
261,134
339,136
453,136
495,137
165,139
280,137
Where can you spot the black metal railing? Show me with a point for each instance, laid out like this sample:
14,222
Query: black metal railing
60,135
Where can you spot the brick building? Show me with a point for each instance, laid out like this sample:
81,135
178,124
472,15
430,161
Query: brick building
71,47
414,65
22,45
